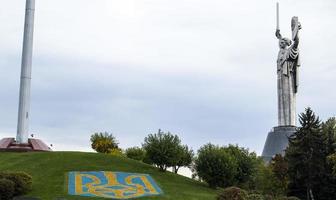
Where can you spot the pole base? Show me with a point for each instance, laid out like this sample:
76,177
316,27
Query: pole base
9,144
277,141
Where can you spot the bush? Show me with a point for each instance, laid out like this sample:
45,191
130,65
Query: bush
22,181
6,189
117,152
255,197
103,142
215,166
233,193
135,153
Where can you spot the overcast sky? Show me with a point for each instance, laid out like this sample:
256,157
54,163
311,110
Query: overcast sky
202,69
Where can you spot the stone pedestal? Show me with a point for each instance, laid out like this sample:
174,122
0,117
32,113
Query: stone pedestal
9,144
277,141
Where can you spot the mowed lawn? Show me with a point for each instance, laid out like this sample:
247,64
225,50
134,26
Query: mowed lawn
49,171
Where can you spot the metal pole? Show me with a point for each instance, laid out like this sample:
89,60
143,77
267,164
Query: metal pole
26,68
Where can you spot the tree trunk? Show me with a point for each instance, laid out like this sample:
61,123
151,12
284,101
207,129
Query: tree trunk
311,194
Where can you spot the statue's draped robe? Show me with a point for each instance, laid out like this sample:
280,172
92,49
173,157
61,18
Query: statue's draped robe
288,62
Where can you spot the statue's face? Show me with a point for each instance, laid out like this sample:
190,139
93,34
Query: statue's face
282,44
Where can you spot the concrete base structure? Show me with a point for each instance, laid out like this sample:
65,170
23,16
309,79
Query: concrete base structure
9,144
277,141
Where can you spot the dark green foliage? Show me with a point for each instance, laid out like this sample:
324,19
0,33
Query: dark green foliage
162,149
216,166
246,162
279,167
103,142
22,181
185,158
135,153
266,182
292,198
306,157
287,198
232,193
329,131
328,184
6,189
255,197
332,163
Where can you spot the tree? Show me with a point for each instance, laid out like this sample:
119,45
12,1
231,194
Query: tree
332,163
306,155
265,181
103,142
279,167
329,130
185,157
135,153
328,189
246,164
162,149
215,166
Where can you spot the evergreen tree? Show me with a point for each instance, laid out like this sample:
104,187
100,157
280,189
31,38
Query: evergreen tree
329,130
329,182
306,157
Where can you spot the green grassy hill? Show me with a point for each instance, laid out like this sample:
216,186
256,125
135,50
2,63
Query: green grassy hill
49,174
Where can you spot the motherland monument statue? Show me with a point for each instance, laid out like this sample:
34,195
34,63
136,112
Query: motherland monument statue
22,142
288,63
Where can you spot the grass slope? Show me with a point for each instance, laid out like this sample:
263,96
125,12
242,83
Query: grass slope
49,174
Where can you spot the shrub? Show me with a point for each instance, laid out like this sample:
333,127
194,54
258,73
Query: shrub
255,197
103,142
135,153
117,152
6,189
215,166
232,193
22,181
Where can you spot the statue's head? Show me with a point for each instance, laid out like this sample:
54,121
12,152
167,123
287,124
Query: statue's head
284,42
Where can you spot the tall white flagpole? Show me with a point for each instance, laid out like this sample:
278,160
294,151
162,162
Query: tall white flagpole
26,68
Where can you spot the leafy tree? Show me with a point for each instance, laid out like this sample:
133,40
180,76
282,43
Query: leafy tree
279,167
216,166
103,142
246,162
162,149
266,182
135,153
306,157
185,158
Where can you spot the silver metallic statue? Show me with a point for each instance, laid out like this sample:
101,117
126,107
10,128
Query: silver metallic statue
287,70
288,63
